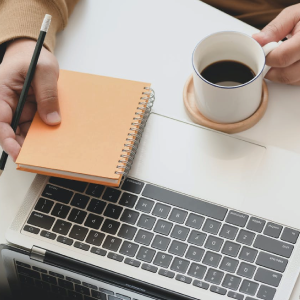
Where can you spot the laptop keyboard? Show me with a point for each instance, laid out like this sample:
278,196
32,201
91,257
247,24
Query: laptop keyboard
40,283
167,233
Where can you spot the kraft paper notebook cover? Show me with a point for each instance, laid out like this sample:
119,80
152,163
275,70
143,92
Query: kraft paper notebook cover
102,121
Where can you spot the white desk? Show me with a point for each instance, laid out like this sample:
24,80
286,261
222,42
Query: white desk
151,41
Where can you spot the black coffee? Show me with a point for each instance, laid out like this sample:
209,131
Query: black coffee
228,73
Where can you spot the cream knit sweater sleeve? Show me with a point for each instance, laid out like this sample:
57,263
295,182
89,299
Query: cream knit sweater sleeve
23,18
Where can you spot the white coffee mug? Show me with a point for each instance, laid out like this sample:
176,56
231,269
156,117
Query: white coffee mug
229,104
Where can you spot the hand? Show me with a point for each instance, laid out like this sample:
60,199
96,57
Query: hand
285,59
42,95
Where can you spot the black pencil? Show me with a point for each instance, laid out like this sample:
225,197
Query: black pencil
27,83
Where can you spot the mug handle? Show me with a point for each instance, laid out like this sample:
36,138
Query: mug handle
267,49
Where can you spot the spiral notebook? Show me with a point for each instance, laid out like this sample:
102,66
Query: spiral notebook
102,122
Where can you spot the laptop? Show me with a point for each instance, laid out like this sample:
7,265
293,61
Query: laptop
202,215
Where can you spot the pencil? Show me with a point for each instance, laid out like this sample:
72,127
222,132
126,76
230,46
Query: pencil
27,83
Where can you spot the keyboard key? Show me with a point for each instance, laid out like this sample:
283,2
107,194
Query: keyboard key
180,232
256,224
146,254
129,249
194,221
245,237
211,259
214,243
144,237
268,277
201,284
161,210
110,226
59,290
129,216
23,264
78,232
128,200
231,249
178,215
56,275
31,229
91,286
183,278
82,246
273,230
40,220
146,222
132,185
40,270
98,295
273,246
65,240
115,256
127,232
248,287
177,248
132,262
197,270
271,261
218,290
228,264
77,216
96,206
66,284
45,287
62,227
44,205
180,265
266,292
162,259
81,290
113,211
111,195
123,297
93,221
112,243
49,279
211,226
95,190
98,251
194,253
236,218
80,200
60,210
228,232
78,186
57,193
28,272
246,270
108,292
214,276
166,273
144,205
95,238
73,280
248,254
149,268
234,295
197,238
163,227
160,242
185,202
290,235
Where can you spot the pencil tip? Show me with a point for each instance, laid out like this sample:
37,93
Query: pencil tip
1,171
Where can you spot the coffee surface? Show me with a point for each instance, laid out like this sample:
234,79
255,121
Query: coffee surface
228,73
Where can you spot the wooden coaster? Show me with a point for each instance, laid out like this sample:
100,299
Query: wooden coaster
197,117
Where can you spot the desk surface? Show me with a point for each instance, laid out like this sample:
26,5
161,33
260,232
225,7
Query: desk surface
151,41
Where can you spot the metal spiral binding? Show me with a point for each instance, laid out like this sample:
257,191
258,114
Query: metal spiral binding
138,126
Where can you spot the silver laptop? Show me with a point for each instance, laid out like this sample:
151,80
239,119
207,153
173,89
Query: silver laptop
202,215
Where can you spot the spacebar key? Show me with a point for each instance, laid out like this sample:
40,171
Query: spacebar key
273,246
185,202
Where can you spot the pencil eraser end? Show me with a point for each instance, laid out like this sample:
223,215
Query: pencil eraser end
46,23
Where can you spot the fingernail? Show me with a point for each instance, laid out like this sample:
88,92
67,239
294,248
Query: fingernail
53,118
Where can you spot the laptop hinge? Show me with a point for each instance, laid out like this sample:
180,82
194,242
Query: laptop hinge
37,254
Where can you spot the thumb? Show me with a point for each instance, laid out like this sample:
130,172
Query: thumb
279,28
45,89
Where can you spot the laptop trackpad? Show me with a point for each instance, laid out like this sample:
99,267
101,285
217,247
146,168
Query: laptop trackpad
196,161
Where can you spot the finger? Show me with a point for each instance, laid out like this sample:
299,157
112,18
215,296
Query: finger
8,141
288,75
45,89
28,112
285,54
280,27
